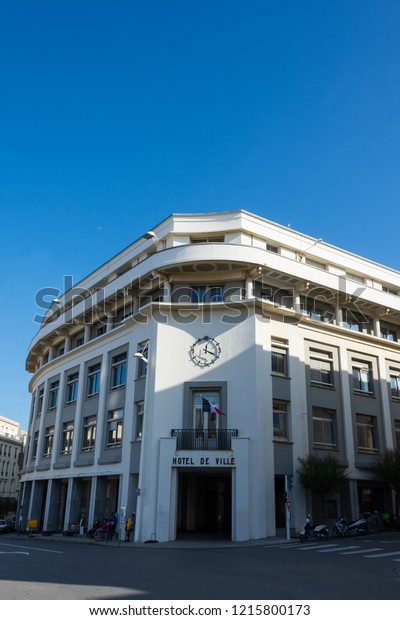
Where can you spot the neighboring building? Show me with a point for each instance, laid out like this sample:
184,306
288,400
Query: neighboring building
294,340
12,441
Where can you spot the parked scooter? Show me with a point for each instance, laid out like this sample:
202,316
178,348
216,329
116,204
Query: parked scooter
344,526
311,531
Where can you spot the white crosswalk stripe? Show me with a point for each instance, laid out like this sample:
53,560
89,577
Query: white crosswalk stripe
383,555
372,552
314,547
360,551
329,550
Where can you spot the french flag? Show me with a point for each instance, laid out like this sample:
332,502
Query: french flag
210,408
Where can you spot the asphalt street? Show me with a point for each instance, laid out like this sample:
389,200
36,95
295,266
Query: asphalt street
59,568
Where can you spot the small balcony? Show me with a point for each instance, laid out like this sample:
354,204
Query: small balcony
192,439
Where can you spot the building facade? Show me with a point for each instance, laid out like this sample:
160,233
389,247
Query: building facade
12,441
185,378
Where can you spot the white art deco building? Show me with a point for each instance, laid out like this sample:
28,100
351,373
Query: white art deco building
294,341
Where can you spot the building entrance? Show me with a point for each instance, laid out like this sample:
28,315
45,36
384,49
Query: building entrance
204,504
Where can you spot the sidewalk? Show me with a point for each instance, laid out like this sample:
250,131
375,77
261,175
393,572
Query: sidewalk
188,543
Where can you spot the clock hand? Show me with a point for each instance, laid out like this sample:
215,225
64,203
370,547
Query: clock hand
212,352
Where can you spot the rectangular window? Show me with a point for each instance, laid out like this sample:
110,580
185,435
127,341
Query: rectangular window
207,294
356,322
93,380
389,334
142,364
33,404
67,437
280,418
321,367
114,428
324,433
362,377
98,329
72,387
35,444
272,248
40,401
206,239
279,358
352,323
118,370
206,423
78,340
139,419
60,349
48,441
53,394
397,434
395,384
315,313
89,433
354,278
315,263
391,291
366,433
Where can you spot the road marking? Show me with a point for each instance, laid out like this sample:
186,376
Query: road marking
14,552
383,555
361,551
328,550
30,548
315,547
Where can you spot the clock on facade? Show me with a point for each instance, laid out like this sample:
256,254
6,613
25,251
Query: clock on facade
205,351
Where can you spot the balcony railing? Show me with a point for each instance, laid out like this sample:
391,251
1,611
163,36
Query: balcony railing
192,439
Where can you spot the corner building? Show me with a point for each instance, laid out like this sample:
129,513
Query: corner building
295,341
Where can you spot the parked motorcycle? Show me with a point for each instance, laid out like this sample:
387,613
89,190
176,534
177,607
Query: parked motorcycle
313,531
385,521
344,526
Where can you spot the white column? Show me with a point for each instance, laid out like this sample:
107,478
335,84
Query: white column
164,508
167,291
386,414
297,302
68,504
339,314
58,421
87,333
240,489
92,502
101,415
110,321
47,504
249,288
125,490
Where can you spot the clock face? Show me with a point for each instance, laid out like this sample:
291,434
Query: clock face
205,351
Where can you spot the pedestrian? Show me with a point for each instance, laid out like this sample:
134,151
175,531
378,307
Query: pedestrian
92,532
112,524
130,526
82,525
20,524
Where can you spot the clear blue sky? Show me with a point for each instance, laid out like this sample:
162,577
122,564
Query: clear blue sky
115,114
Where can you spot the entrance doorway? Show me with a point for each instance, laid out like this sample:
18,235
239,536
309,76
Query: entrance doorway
204,504
280,514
